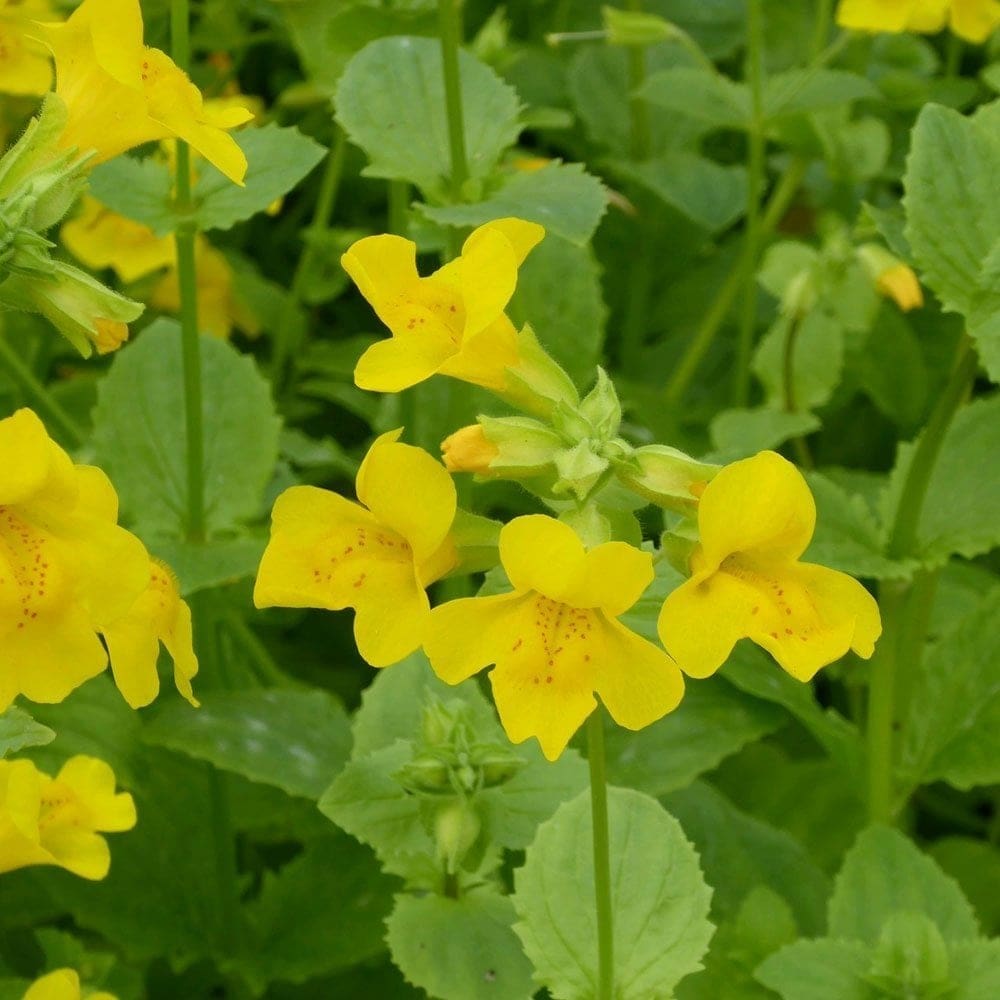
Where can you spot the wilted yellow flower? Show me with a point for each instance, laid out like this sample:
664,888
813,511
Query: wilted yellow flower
973,20
69,572
468,450
452,322
755,518
58,821
120,93
63,984
556,640
327,552
25,66
100,238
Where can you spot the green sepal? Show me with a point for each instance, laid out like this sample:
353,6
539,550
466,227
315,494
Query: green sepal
537,382
637,28
664,476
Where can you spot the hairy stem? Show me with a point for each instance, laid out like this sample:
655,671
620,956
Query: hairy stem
602,856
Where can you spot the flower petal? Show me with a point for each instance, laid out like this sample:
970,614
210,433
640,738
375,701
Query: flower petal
636,680
484,359
488,277
93,782
391,614
864,15
614,576
542,554
402,361
761,504
25,456
523,236
464,636
410,492
385,270
974,20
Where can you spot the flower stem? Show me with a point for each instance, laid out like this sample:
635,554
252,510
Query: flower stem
602,858
399,203
821,28
38,395
286,344
450,31
898,618
755,185
802,454
187,275
638,108
777,204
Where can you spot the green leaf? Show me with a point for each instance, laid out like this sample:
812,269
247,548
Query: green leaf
563,197
659,899
953,218
712,195
709,97
294,740
19,730
884,873
975,969
953,729
460,949
847,536
139,432
740,854
959,512
278,159
391,103
817,360
141,190
713,721
975,865
201,565
820,970
804,91
323,911
741,433
559,294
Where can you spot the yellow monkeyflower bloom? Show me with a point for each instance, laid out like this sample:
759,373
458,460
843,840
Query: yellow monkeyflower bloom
58,821
453,321
755,518
25,66
376,556
63,984
100,238
468,450
900,284
973,20
556,640
68,571
158,616
120,93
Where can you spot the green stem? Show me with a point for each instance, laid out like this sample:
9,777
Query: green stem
286,344
187,275
38,395
640,285
450,31
905,610
802,454
777,204
602,856
954,51
755,184
821,29
399,204
638,108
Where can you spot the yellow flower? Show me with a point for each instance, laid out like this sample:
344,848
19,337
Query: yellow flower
468,450
25,67
63,984
158,616
452,322
973,20
219,309
57,821
755,519
101,238
327,552
900,284
120,93
69,572
556,640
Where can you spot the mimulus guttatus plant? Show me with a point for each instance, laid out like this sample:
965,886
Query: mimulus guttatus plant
376,556
59,821
555,639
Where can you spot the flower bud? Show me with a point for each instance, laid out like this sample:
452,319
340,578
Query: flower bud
468,450
637,28
893,279
456,827
666,476
536,382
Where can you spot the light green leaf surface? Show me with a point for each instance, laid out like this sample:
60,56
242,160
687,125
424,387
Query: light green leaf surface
659,897
19,730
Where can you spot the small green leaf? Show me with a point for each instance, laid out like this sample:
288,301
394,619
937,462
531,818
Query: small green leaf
460,949
391,102
141,190
659,898
699,93
294,740
817,359
201,565
19,730
563,197
278,159
741,433
884,873
802,91
820,970
140,439
975,865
